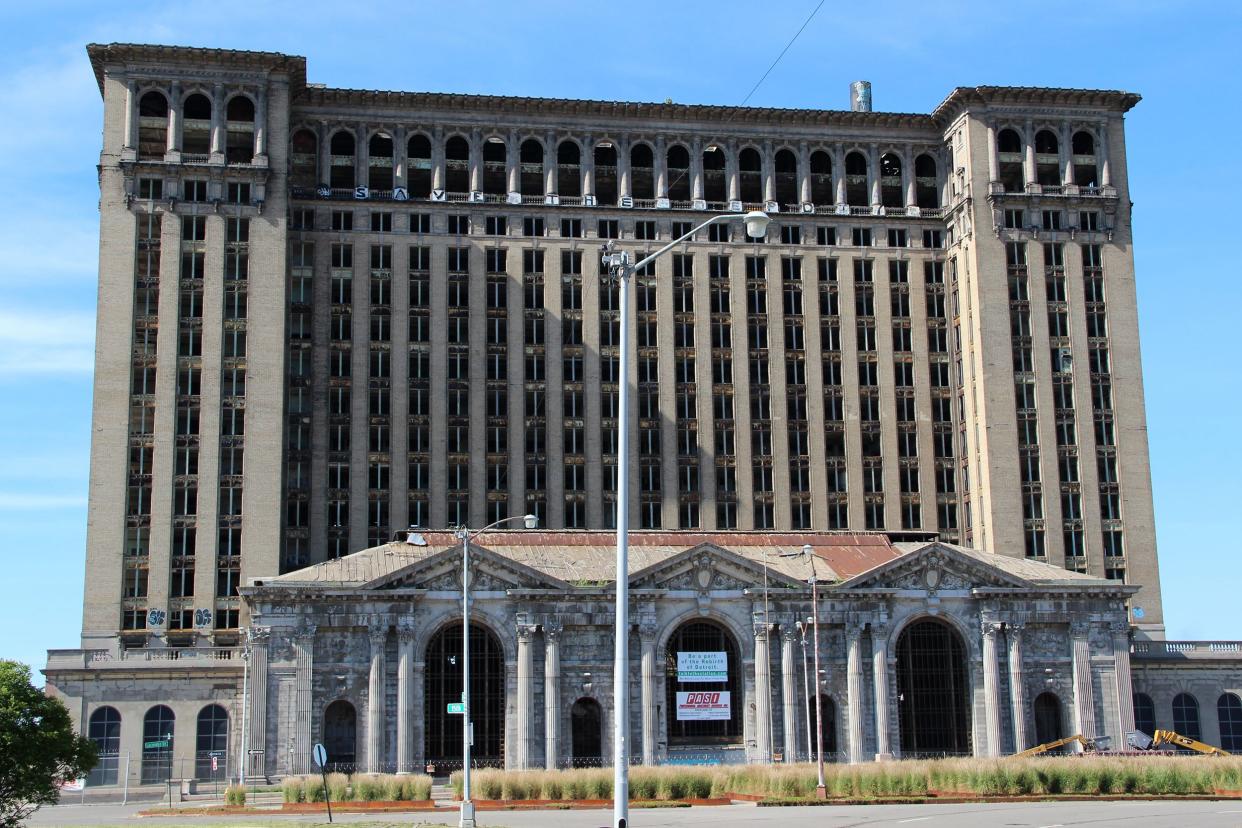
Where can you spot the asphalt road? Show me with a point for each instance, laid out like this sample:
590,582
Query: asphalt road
1162,814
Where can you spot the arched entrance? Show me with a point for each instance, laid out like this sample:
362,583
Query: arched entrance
700,707
586,725
1047,709
443,684
340,734
933,691
827,727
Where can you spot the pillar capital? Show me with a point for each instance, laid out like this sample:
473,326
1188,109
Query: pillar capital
405,631
989,628
552,629
1079,628
304,631
648,630
377,632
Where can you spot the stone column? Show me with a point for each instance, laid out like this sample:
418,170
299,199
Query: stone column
304,655
873,173
260,127
661,167
588,165
804,173
1084,692
549,163
647,637
1125,690
405,697
1017,687
323,145
696,168
1032,175
437,158
767,165
217,124
763,692
401,160
362,156
1067,154
854,692
789,692
552,692
879,670
172,144
256,739
1102,158
513,170
993,158
476,161
525,692
908,181
378,634
991,689
838,173
130,140
732,173
622,146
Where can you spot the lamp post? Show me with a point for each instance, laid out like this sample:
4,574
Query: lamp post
806,687
821,789
621,268
467,731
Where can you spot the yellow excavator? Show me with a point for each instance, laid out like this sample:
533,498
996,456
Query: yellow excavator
1139,740
1088,745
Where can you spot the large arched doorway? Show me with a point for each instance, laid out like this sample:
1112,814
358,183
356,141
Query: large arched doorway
703,681
442,745
1047,718
340,734
933,691
586,726
827,728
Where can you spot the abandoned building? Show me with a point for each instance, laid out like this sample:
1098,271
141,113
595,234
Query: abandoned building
327,315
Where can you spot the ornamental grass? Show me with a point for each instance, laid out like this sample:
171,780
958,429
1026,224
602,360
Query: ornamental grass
368,787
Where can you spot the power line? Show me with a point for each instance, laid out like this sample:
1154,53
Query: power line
805,23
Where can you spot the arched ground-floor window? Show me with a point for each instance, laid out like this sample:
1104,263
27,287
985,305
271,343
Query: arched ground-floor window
212,741
1229,714
1144,713
934,691
586,725
1048,726
703,686
105,731
157,744
443,684
340,734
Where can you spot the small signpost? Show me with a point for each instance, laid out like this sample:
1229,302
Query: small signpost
320,754
155,744
456,707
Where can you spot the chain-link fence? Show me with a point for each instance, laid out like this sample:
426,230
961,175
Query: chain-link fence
208,773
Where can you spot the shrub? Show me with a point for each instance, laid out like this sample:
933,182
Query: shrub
394,788
368,788
294,789
235,795
416,787
313,790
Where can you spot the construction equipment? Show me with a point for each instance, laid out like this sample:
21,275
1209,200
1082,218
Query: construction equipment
1139,740
1097,745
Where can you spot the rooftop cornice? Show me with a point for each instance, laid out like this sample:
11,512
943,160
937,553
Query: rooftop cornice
102,54
966,97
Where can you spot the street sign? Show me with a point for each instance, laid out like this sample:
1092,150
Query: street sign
155,744
320,754
215,764
456,707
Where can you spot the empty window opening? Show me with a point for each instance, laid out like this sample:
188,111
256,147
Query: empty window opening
1085,164
821,178
786,177
152,126
342,147
927,189
531,159
934,691
750,174
239,129
418,176
856,190
569,169
606,174
678,173
340,735
304,159
891,194
1049,725
586,724
495,166
443,684
1047,158
1009,157
196,126
642,172
379,162
714,174
456,165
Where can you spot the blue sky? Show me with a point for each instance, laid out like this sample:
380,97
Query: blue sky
1184,172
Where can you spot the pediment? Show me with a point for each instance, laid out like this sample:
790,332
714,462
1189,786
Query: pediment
935,568
706,568
489,572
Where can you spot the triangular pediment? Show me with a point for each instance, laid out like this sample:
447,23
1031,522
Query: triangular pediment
708,567
935,567
489,572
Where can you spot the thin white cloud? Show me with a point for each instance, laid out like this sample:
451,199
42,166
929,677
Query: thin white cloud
35,342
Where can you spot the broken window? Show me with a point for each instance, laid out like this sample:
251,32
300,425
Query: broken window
1047,158
418,159
714,174
569,169
750,175
678,173
196,127
786,177
606,173
1009,157
456,165
531,158
891,194
927,190
495,166
856,190
642,171
821,178
152,126
303,159
341,175
379,162
239,130
1085,170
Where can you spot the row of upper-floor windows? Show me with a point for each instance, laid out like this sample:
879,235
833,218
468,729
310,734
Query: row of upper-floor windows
191,125
1049,159
605,169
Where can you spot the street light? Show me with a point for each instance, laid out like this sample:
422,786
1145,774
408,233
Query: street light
466,536
621,268
806,686
821,790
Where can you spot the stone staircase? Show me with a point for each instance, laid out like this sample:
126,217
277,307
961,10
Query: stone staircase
442,794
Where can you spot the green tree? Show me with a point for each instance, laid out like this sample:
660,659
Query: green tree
39,750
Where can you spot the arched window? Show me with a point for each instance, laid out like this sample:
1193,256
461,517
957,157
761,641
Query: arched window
1086,171
196,125
304,159
495,166
786,177
531,157
212,740
927,186
379,161
714,185
642,171
586,725
821,178
1229,714
104,730
457,165
606,174
1144,713
678,173
750,175
1009,152
828,728
856,189
699,710
569,169
342,168
1186,716
239,130
1047,160
443,684
340,735
152,126
934,691
418,159
157,744
891,194
1048,727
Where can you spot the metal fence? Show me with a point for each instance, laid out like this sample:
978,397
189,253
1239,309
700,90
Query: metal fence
208,773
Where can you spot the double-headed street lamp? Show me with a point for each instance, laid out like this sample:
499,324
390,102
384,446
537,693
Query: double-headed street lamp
467,730
621,268
821,789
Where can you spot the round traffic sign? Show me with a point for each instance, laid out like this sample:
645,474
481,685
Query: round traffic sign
320,755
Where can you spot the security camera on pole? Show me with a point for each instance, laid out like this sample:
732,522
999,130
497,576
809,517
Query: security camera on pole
619,267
